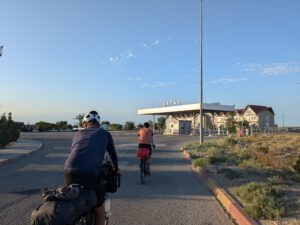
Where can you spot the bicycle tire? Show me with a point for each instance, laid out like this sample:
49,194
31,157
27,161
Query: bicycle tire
87,219
142,170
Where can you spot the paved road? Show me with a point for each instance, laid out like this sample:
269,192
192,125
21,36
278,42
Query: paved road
172,194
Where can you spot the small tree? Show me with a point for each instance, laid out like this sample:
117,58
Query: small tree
161,123
45,126
129,125
231,124
79,117
151,124
115,126
139,126
105,122
62,125
9,130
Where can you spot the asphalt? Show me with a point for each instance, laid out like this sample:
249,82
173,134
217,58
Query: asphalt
18,150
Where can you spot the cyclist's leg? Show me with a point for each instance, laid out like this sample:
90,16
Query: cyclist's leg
100,209
100,215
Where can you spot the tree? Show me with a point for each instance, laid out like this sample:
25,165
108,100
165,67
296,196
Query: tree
9,130
129,125
151,125
105,122
231,124
45,126
115,126
79,117
139,126
161,123
62,125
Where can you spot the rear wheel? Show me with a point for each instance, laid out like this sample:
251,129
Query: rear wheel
142,169
87,219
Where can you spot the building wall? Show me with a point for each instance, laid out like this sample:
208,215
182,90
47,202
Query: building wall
266,119
250,116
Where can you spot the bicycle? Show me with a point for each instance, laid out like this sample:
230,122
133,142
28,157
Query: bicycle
144,155
89,217
71,205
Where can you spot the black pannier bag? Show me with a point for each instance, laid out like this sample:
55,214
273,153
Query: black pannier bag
63,207
109,178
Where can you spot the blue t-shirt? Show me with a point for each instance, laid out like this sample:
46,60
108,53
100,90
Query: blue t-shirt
88,149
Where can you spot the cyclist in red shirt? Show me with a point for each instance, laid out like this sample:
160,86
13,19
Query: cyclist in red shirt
146,137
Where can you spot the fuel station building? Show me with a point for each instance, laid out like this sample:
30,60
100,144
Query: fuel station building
185,119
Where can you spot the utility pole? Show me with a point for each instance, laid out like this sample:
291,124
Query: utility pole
201,80
1,48
282,119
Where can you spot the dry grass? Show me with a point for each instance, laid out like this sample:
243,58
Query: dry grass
273,151
273,159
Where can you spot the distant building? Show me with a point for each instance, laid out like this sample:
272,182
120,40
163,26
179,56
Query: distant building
185,119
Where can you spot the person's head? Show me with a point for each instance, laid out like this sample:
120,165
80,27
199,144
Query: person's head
146,124
91,119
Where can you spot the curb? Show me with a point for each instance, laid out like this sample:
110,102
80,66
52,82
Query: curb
229,204
3,163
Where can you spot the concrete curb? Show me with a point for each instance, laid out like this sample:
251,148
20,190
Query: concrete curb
7,161
230,205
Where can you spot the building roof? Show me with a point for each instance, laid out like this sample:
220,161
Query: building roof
186,108
259,108
239,111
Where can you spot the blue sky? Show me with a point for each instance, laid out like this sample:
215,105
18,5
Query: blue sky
61,58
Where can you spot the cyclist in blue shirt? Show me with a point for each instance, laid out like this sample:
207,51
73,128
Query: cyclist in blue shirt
83,164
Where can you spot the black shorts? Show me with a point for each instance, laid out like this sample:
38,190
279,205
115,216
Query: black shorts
89,181
146,146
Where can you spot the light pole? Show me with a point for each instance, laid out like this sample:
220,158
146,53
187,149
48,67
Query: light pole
201,81
1,48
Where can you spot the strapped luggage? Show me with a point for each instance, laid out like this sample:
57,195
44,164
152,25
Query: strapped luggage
63,207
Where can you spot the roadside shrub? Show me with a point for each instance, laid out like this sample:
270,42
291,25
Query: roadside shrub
216,155
9,131
254,164
262,201
296,165
229,142
276,180
201,162
238,154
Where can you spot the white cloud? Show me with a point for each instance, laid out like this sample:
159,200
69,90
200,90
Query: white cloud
146,46
229,80
156,42
273,69
122,57
114,60
280,68
127,54
134,78
157,85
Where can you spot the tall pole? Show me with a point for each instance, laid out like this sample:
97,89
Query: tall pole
201,81
153,124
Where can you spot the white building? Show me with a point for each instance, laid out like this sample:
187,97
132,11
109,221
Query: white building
184,119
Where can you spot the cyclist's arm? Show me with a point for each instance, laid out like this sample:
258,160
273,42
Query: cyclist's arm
112,151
